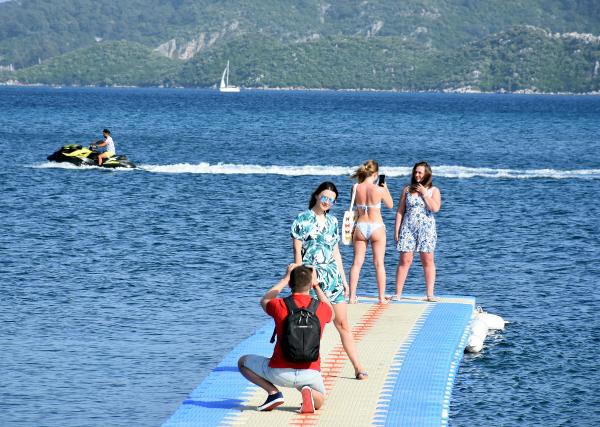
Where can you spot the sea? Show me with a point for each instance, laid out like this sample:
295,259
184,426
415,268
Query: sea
120,290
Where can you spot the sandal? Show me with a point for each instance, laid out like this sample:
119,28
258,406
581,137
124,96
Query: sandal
362,376
432,299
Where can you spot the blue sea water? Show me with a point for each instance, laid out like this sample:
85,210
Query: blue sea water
121,290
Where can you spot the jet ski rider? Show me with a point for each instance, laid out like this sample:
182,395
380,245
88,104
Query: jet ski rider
105,147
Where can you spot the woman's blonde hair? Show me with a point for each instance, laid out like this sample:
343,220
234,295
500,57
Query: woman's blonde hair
365,170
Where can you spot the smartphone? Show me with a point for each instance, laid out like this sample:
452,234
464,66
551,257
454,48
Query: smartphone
381,180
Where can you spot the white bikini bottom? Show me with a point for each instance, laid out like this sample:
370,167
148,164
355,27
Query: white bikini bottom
368,228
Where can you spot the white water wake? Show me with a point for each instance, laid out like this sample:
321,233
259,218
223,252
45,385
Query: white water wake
393,171
444,171
65,165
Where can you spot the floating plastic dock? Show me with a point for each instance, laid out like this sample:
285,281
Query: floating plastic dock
410,348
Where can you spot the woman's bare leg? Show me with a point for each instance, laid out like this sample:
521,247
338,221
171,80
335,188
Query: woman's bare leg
360,249
343,326
378,244
406,259
429,270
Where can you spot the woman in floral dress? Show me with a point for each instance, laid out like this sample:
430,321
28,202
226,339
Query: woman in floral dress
315,237
415,229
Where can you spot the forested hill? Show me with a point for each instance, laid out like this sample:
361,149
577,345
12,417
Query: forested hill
540,45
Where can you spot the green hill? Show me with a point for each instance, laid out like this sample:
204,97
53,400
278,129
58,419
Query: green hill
385,44
337,63
519,59
524,58
34,30
104,64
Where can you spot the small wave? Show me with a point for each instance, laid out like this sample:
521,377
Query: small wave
54,165
457,172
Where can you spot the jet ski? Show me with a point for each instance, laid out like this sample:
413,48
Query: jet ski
80,156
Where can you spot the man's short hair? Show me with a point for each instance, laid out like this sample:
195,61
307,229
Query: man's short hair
106,131
301,278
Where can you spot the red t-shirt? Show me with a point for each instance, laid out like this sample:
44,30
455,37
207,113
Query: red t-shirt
276,308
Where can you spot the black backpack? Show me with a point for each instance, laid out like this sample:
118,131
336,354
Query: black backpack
301,337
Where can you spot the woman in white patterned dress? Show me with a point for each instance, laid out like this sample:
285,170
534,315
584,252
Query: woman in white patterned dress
415,229
315,238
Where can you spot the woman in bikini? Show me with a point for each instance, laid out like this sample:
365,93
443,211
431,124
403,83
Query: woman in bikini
415,229
315,238
369,226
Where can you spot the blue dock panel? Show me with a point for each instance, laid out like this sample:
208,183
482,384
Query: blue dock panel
224,390
418,388
416,391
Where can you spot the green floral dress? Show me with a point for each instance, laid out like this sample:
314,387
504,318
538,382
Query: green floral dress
318,244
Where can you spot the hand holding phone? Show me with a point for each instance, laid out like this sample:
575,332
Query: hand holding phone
381,180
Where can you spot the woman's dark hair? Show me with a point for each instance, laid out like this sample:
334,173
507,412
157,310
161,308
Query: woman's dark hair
327,185
426,181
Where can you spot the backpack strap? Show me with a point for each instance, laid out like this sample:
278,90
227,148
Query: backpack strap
353,196
312,307
290,304
291,307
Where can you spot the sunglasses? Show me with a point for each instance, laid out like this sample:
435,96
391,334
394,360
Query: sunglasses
325,199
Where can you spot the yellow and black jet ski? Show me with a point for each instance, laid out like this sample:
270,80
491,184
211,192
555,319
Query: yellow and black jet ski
80,155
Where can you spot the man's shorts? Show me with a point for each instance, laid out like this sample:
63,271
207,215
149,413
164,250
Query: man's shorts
285,377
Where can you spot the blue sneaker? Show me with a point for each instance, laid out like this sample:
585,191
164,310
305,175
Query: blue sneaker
272,402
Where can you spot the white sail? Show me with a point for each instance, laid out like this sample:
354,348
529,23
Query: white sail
225,74
224,86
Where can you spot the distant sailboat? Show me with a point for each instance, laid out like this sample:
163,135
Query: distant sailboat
225,87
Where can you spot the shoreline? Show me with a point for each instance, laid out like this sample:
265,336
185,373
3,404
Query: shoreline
462,90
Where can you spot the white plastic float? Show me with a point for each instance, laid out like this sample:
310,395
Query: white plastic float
481,325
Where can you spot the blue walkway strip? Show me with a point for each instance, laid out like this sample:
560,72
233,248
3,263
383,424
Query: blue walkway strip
418,388
223,392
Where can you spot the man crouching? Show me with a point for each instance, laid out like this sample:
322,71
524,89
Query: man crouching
293,364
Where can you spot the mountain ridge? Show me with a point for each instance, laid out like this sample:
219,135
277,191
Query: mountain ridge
414,45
